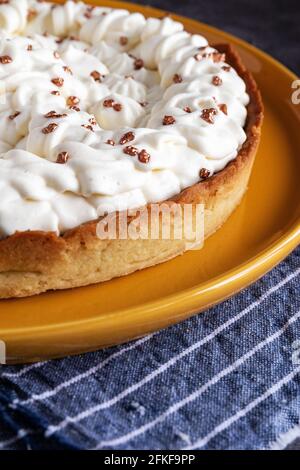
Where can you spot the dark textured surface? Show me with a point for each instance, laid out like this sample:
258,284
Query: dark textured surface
294,446
206,378
272,25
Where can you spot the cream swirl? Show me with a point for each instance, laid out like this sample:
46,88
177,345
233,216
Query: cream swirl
13,15
116,27
104,109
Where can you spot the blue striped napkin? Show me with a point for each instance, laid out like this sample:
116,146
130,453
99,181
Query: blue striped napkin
228,378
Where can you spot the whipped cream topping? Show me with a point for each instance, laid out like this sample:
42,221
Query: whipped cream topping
104,110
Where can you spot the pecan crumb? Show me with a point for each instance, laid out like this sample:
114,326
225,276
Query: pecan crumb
73,101
208,115
5,59
204,173
217,81
62,157
168,120
13,116
217,56
108,103
177,78
50,128
75,108
29,47
226,68
56,55
54,114
131,150
96,76
67,69
110,142
117,107
58,81
187,109
138,64
93,121
123,40
88,127
128,137
55,93
223,108
144,156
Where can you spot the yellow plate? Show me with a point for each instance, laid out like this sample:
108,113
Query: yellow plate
264,229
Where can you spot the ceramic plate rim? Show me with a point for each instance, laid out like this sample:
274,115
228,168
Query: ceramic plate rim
251,269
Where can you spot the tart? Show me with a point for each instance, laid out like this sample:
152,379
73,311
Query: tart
106,112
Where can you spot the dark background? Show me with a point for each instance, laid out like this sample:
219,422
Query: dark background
271,25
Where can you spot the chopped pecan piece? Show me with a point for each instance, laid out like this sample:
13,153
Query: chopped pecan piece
177,78
168,120
217,81
73,101
62,157
50,128
117,107
96,76
108,103
131,150
204,173
5,59
58,81
144,156
223,108
13,116
128,137
208,115
138,64
54,115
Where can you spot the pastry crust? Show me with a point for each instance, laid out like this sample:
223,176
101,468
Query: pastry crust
35,262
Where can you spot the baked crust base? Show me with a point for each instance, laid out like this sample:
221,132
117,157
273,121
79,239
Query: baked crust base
35,262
